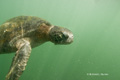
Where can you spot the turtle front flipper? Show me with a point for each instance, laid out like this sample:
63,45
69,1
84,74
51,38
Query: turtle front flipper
20,60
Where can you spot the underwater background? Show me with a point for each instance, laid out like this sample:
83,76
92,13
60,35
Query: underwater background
95,52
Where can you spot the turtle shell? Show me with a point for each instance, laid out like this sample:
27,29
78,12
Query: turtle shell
15,28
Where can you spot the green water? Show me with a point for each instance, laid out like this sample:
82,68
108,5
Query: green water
96,46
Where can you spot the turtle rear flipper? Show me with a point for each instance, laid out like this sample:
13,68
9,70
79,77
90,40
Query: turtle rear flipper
20,60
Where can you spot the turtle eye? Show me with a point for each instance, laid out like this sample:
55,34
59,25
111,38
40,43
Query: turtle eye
64,36
58,37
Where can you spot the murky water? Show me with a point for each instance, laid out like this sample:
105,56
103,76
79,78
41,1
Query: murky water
95,52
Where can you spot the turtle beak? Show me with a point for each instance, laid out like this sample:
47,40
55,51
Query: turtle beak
70,38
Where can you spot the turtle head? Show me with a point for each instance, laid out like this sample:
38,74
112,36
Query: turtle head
59,35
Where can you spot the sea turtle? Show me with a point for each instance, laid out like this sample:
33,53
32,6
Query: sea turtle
22,33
